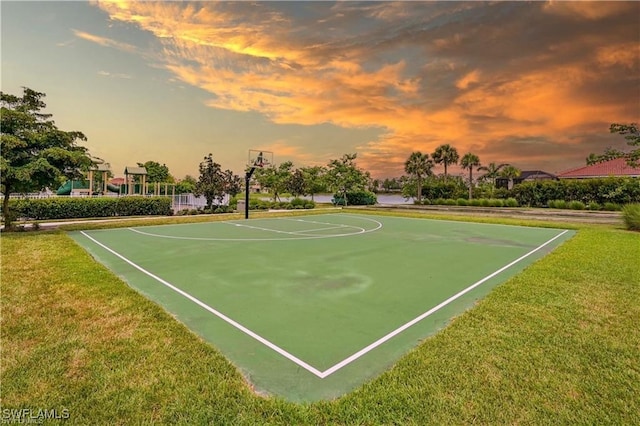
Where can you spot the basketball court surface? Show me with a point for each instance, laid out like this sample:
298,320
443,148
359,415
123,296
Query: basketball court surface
310,307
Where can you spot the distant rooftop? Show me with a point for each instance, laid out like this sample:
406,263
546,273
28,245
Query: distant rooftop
615,167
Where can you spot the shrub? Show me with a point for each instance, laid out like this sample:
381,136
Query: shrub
611,207
462,202
450,202
576,205
557,204
361,198
511,202
439,201
426,202
476,202
298,202
484,202
593,206
494,202
310,205
631,216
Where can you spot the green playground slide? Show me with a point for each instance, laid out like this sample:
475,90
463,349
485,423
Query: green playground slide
79,184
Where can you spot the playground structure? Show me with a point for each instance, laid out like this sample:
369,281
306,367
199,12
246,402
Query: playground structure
135,183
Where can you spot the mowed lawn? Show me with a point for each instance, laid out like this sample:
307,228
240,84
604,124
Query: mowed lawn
557,344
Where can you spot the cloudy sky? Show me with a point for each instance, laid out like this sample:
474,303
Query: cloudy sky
534,84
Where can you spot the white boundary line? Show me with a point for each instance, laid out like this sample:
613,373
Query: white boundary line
296,235
213,311
355,356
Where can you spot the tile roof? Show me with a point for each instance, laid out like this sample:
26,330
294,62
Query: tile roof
615,167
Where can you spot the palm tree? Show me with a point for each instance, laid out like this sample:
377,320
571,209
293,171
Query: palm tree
445,154
510,173
469,161
492,173
418,165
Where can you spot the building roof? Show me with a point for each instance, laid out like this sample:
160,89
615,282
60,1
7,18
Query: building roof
535,174
135,170
615,167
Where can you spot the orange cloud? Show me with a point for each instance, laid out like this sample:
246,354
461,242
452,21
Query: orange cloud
252,57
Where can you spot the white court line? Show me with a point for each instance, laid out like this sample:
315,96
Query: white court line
213,311
297,235
355,356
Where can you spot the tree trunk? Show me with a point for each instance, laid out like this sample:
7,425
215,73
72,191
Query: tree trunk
419,198
5,208
470,184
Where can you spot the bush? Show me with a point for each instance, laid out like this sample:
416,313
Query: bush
484,202
576,205
593,206
298,202
450,202
476,202
439,201
611,207
462,202
361,198
511,202
310,205
74,208
494,202
631,216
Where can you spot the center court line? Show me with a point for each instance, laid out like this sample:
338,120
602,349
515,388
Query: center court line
355,356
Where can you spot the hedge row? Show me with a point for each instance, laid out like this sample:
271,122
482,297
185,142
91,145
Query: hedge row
73,208
476,202
356,198
296,203
601,191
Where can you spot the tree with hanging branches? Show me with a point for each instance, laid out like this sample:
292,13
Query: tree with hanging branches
418,166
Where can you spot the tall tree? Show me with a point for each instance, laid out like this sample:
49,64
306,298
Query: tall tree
156,172
610,153
632,135
186,185
232,183
211,182
34,153
492,172
295,185
275,178
314,181
447,155
344,176
470,161
418,166
510,173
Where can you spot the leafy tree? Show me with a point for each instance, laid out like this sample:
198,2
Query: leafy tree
469,161
275,179
314,181
34,153
211,183
510,172
418,166
186,185
232,183
609,154
344,176
296,183
156,172
632,135
445,154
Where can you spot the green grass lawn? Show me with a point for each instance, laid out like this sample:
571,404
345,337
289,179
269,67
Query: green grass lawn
558,343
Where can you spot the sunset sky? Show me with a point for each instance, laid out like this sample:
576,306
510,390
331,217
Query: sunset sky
534,84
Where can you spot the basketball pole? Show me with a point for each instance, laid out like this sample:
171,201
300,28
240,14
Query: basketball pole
247,179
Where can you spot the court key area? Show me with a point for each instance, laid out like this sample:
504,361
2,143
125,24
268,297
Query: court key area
310,307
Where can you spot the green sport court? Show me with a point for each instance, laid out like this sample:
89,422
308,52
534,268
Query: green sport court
312,306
